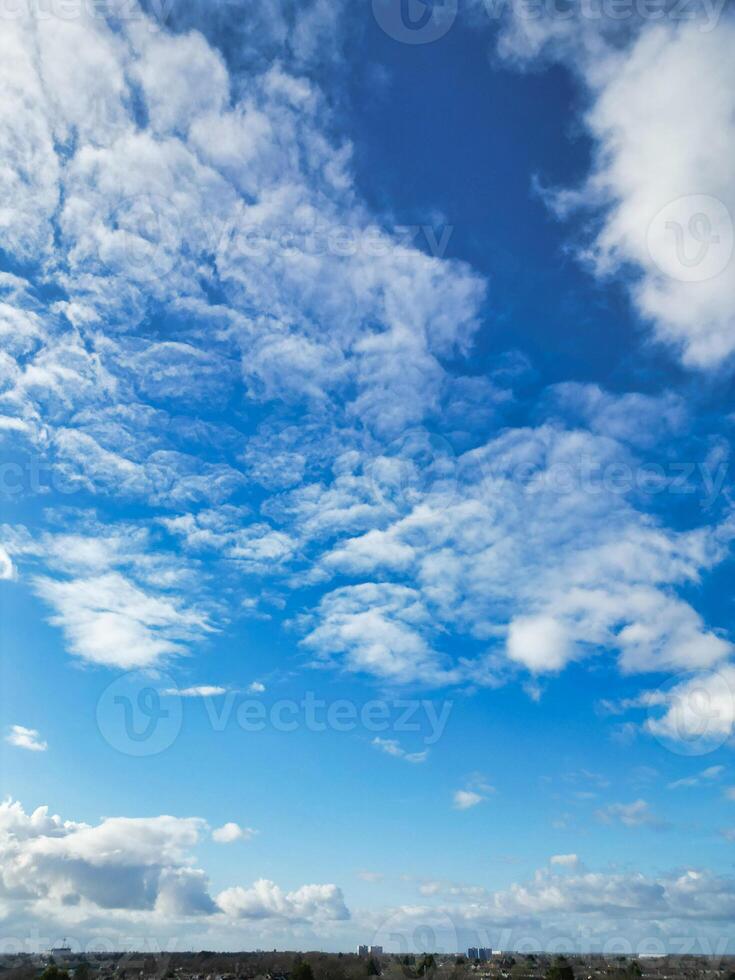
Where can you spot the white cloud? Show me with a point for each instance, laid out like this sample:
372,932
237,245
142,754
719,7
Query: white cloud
522,539
228,833
540,643
187,182
660,182
465,799
7,569
629,418
451,890
710,774
198,691
26,738
392,746
255,687
109,620
265,900
698,711
679,105
120,598
635,814
552,904
564,860
30,181
256,547
371,876
124,865
382,629
153,207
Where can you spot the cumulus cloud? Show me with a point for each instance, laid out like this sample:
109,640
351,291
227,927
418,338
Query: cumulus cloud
540,643
26,738
128,865
698,710
661,196
553,903
121,863
266,900
228,833
664,219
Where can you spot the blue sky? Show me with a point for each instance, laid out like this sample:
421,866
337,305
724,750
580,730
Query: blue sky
366,411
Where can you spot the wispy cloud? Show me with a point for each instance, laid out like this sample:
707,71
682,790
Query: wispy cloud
372,876
26,738
564,860
198,691
465,799
711,774
392,746
635,814
475,791
111,620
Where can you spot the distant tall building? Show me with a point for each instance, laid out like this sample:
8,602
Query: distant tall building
472,953
362,950
484,954
59,953
376,950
